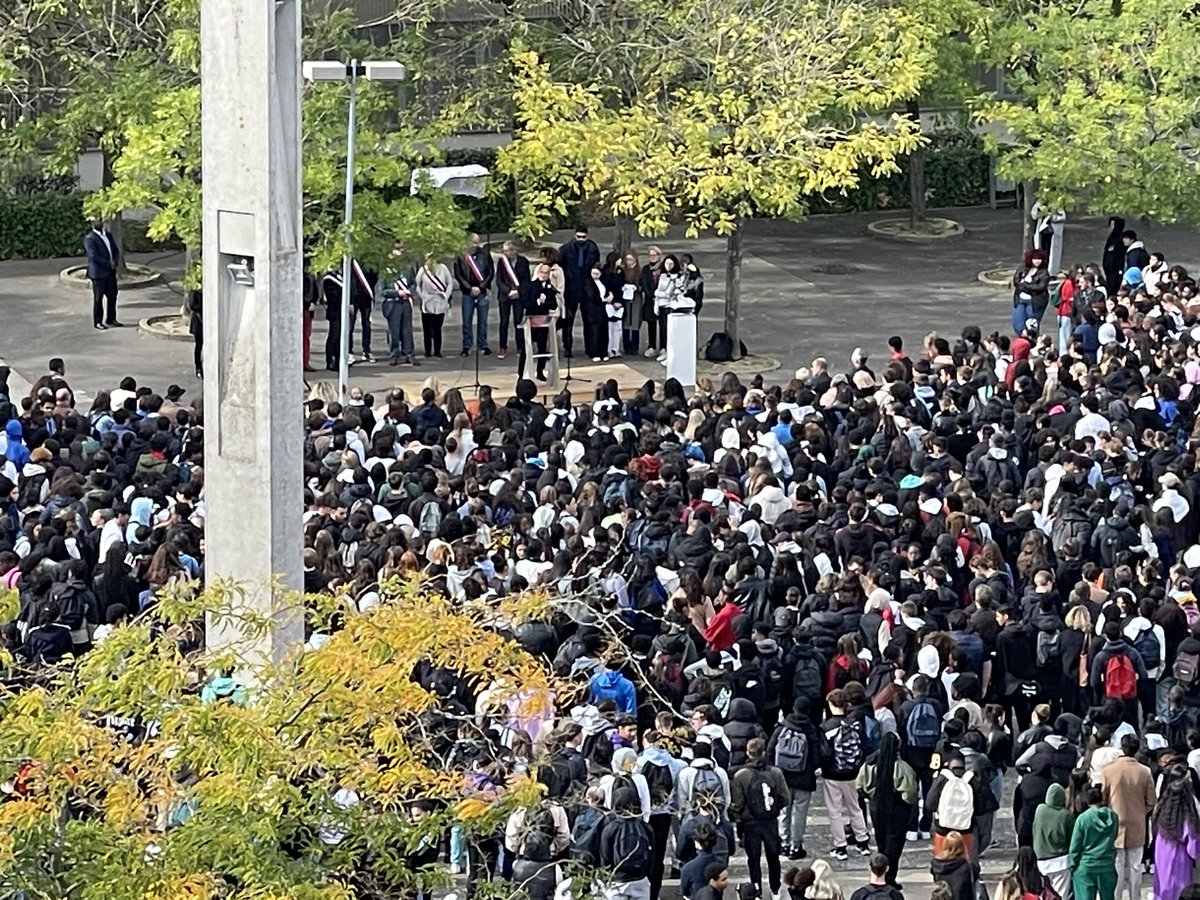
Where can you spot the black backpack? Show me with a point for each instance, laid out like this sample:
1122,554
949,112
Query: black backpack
1146,644
625,797
760,800
772,672
807,682
660,783
632,847
72,604
556,776
719,348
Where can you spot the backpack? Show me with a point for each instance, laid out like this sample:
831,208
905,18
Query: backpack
625,797
759,796
707,790
956,805
848,746
585,838
1186,668
924,725
791,751
807,681
1048,647
72,604
719,348
631,848
1120,678
430,519
540,830
1146,644
556,776
649,539
30,494
616,490
659,781
772,669
597,749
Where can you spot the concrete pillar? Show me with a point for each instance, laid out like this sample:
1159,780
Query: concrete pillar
253,388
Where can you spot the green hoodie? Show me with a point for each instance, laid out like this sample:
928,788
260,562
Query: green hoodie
1052,825
1094,840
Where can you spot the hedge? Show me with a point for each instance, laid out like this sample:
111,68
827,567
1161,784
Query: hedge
956,174
41,226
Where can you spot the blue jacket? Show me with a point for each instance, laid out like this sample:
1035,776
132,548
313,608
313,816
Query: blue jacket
611,685
99,263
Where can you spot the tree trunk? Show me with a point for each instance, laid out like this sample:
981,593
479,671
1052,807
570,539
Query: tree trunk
916,175
733,282
625,234
1026,206
116,223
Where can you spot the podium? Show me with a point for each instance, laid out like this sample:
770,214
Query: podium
532,356
681,342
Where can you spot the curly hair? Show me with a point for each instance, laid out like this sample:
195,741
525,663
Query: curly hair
1176,805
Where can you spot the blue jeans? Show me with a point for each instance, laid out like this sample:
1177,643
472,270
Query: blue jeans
477,306
1064,334
1021,312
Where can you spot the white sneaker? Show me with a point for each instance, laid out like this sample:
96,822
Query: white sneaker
925,835
595,359
456,868
912,836
662,357
650,353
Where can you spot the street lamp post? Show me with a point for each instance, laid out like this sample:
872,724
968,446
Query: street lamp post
384,70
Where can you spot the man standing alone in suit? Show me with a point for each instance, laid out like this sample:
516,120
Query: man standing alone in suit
103,257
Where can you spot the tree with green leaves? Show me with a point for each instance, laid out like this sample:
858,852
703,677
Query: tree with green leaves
1100,105
743,109
150,768
144,111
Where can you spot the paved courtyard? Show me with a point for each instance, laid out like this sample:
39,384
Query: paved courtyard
818,287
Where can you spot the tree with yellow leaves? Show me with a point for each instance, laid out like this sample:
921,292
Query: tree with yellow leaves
149,770
744,109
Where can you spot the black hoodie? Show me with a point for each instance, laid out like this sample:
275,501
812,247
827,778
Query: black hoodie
807,779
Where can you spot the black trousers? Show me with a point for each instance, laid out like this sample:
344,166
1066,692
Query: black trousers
332,339
102,289
431,331
595,330
890,836
571,307
759,838
541,338
519,336
660,827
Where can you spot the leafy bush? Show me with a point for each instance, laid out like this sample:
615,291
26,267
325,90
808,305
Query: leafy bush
42,226
956,174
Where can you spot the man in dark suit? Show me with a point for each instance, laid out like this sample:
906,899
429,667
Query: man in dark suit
577,257
512,274
103,258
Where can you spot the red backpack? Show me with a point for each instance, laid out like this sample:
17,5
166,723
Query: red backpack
1120,679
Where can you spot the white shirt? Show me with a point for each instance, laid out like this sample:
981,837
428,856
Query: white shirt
107,243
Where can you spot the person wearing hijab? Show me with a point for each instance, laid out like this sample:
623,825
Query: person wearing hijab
140,513
890,786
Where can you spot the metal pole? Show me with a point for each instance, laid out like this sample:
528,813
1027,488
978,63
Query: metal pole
347,285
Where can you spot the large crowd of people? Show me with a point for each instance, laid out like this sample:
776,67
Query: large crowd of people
901,583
